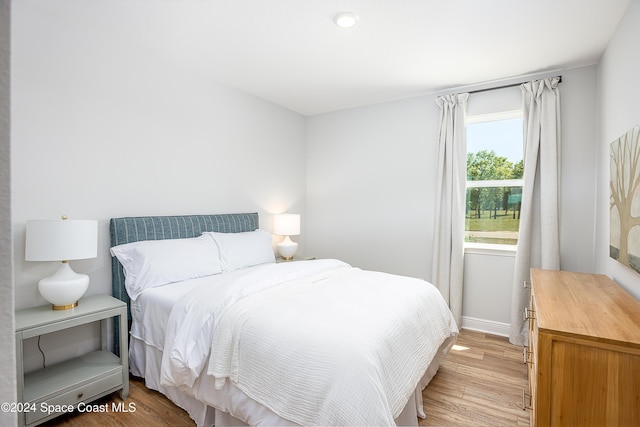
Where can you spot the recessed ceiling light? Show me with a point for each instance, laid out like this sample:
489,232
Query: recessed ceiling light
345,19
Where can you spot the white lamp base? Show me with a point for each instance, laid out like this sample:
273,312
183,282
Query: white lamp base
287,248
64,288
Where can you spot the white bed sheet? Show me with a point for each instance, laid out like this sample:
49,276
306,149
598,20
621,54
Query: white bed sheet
236,409
150,313
151,310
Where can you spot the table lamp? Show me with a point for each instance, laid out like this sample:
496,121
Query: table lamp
287,224
62,240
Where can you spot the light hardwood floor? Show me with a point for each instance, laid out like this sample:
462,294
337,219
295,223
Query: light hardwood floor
479,383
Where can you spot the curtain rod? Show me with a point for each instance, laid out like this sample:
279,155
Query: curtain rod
505,86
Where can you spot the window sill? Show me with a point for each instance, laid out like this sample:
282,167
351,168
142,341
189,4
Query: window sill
489,249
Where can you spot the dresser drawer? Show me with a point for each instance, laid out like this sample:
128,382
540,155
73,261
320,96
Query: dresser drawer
66,402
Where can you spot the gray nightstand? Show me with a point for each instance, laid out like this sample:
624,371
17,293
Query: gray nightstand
81,379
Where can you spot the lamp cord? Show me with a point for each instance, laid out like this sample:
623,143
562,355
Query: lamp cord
44,365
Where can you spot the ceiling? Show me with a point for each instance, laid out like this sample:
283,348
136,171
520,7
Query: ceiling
291,53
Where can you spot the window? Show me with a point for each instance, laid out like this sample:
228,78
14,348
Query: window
494,178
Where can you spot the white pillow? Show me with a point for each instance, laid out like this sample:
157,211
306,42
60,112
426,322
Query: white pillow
151,263
240,250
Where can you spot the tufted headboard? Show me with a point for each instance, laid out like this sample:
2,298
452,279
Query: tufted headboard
133,229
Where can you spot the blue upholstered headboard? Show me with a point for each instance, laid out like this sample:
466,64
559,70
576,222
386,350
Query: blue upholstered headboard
133,229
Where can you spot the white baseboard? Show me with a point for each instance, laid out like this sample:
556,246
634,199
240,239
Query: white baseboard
488,326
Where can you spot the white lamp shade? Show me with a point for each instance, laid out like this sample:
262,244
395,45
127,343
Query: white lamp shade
59,240
286,224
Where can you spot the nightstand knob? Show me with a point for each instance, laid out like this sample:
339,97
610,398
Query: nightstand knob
80,395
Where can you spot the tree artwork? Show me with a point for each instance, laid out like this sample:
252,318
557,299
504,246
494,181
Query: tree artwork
624,244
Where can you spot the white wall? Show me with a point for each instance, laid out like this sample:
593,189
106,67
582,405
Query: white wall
7,340
486,298
101,128
618,95
371,174
578,180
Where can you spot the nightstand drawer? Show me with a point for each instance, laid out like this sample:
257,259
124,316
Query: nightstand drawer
84,393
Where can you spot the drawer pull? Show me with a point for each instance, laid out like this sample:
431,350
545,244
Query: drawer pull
80,395
528,314
525,355
526,401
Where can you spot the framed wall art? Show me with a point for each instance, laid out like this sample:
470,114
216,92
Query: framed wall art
624,241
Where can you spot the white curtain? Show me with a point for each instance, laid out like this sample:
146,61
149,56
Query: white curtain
538,240
448,249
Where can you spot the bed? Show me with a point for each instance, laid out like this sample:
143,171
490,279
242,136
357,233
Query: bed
235,338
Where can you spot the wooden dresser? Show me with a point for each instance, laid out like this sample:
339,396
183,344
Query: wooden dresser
584,351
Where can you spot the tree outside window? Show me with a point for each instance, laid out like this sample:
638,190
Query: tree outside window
494,181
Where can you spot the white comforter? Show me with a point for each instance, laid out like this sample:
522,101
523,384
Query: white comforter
317,342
